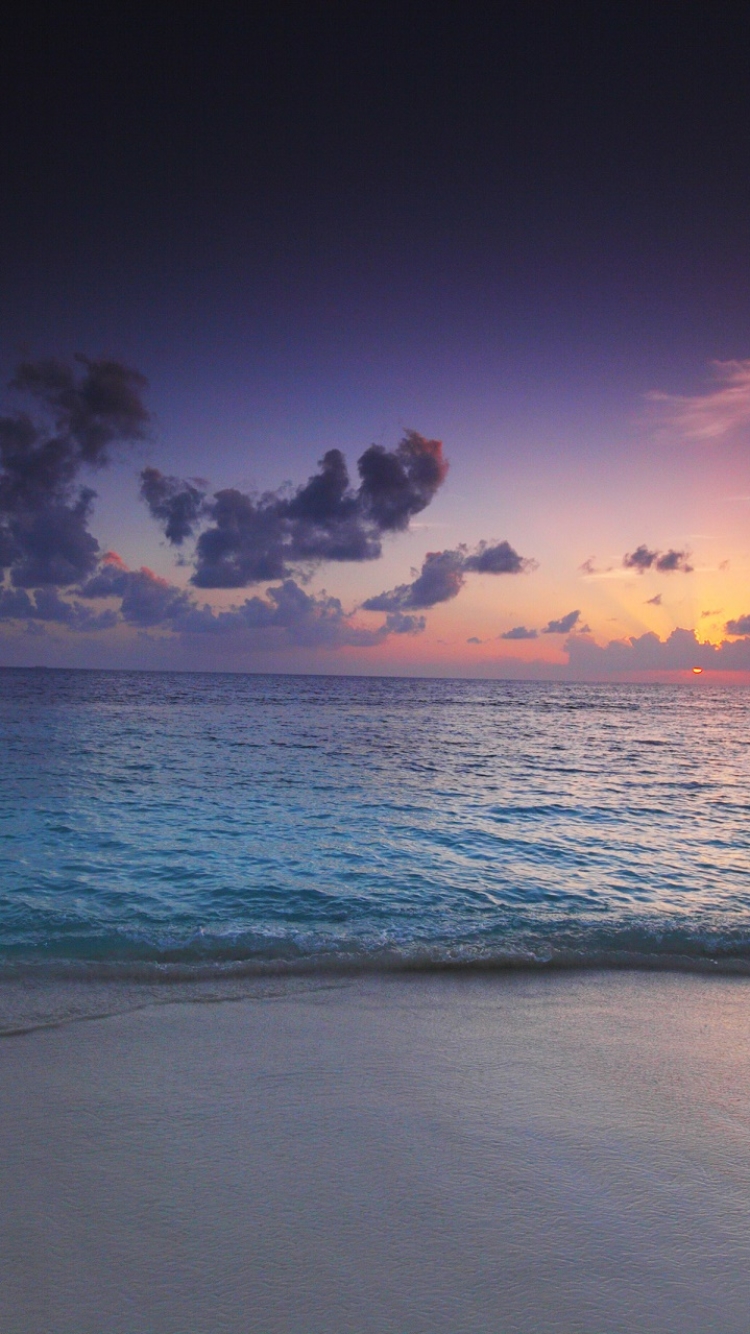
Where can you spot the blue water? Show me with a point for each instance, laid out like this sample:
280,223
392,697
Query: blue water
226,823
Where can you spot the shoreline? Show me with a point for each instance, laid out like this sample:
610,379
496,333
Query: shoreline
36,999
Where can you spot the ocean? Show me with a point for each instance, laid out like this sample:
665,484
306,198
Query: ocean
179,825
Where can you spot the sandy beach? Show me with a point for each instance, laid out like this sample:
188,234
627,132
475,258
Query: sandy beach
558,1153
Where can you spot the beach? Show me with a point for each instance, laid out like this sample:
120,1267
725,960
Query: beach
430,1152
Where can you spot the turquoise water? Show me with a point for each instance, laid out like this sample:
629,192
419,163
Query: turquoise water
223,823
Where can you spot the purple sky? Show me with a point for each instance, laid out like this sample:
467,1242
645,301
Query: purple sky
524,235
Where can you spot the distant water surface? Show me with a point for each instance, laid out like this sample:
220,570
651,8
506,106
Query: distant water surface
190,824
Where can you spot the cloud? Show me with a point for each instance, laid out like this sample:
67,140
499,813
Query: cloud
297,617
680,651
253,538
440,579
719,412
443,575
473,640
81,412
399,623
47,605
643,558
739,626
591,570
145,599
52,544
286,615
519,632
673,560
498,558
563,626
653,602
176,504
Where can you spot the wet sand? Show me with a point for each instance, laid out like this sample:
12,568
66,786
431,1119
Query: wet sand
431,1153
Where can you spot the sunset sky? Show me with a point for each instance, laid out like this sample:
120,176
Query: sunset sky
525,235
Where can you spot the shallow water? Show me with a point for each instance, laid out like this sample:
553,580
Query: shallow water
182,824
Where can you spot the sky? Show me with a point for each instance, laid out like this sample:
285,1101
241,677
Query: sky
357,340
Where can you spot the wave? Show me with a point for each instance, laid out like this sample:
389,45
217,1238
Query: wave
624,947
41,993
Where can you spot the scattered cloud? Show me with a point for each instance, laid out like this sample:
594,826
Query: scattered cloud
440,579
654,602
473,640
739,626
680,651
712,611
592,571
563,626
253,538
498,558
519,632
443,575
302,618
47,605
286,615
79,414
644,558
720,411
176,504
145,599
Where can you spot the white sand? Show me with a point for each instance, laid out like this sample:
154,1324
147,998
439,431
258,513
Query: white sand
561,1153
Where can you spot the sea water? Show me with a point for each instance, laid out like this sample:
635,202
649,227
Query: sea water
218,825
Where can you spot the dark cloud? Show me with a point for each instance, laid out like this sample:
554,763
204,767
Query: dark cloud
443,575
81,412
399,623
253,538
440,579
47,605
287,613
92,409
739,626
497,558
400,483
563,626
680,652
176,504
674,560
53,544
146,600
519,632
654,602
643,558
299,618
473,640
